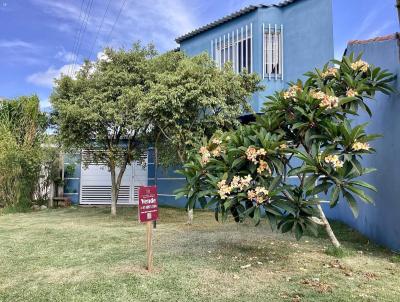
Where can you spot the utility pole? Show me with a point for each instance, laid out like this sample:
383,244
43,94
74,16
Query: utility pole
398,33
398,8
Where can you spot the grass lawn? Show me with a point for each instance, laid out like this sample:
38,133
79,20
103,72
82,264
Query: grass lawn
84,255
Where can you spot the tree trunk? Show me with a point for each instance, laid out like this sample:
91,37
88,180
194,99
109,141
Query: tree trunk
189,210
115,185
114,192
328,228
190,216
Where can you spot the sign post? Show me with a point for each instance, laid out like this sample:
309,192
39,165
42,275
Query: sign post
148,212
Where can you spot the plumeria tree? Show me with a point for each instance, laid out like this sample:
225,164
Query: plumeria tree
304,150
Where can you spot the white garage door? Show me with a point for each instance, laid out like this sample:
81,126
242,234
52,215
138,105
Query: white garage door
96,184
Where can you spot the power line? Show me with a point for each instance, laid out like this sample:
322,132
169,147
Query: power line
116,20
99,29
86,19
76,38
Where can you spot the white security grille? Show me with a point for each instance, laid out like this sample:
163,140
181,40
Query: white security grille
102,194
235,47
136,194
96,183
272,51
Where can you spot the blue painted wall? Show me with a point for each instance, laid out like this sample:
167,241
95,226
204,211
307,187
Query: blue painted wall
167,182
380,222
307,40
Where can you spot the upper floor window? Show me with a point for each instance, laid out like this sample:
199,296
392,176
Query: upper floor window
235,47
272,51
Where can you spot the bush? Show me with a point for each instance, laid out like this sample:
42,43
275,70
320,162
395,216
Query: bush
22,131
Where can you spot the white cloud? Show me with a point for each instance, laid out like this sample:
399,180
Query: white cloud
46,78
371,25
65,56
101,56
60,9
158,21
164,21
379,30
15,44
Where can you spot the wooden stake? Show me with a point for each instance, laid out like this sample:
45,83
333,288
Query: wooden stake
149,233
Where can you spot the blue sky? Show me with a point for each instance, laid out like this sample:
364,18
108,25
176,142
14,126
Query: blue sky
38,36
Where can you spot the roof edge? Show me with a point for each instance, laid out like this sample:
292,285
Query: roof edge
230,17
394,36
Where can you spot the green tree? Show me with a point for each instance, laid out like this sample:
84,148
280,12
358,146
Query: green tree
302,151
189,97
22,131
98,110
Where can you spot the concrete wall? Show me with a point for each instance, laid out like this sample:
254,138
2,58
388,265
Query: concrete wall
307,40
380,222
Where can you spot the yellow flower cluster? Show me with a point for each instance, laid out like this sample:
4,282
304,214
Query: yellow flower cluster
224,189
259,194
319,95
252,154
334,160
240,182
283,146
351,93
217,151
357,146
263,166
360,65
237,183
327,101
330,72
291,92
206,153
216,141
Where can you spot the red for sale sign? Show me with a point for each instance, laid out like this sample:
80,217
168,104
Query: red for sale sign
148,204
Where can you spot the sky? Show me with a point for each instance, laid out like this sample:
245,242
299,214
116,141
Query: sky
40,39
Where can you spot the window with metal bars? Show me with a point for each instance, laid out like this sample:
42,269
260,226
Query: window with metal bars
272,51
235,47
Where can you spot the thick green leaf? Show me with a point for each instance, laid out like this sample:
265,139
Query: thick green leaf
257,216
352,203
363,184
335,196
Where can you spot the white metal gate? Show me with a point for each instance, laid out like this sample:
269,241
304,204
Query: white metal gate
96,184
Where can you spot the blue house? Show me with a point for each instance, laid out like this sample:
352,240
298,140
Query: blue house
380,222
280,42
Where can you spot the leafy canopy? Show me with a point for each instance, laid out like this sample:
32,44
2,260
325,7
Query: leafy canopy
98,110
189,97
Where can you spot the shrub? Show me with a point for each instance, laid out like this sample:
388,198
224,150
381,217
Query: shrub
22,128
